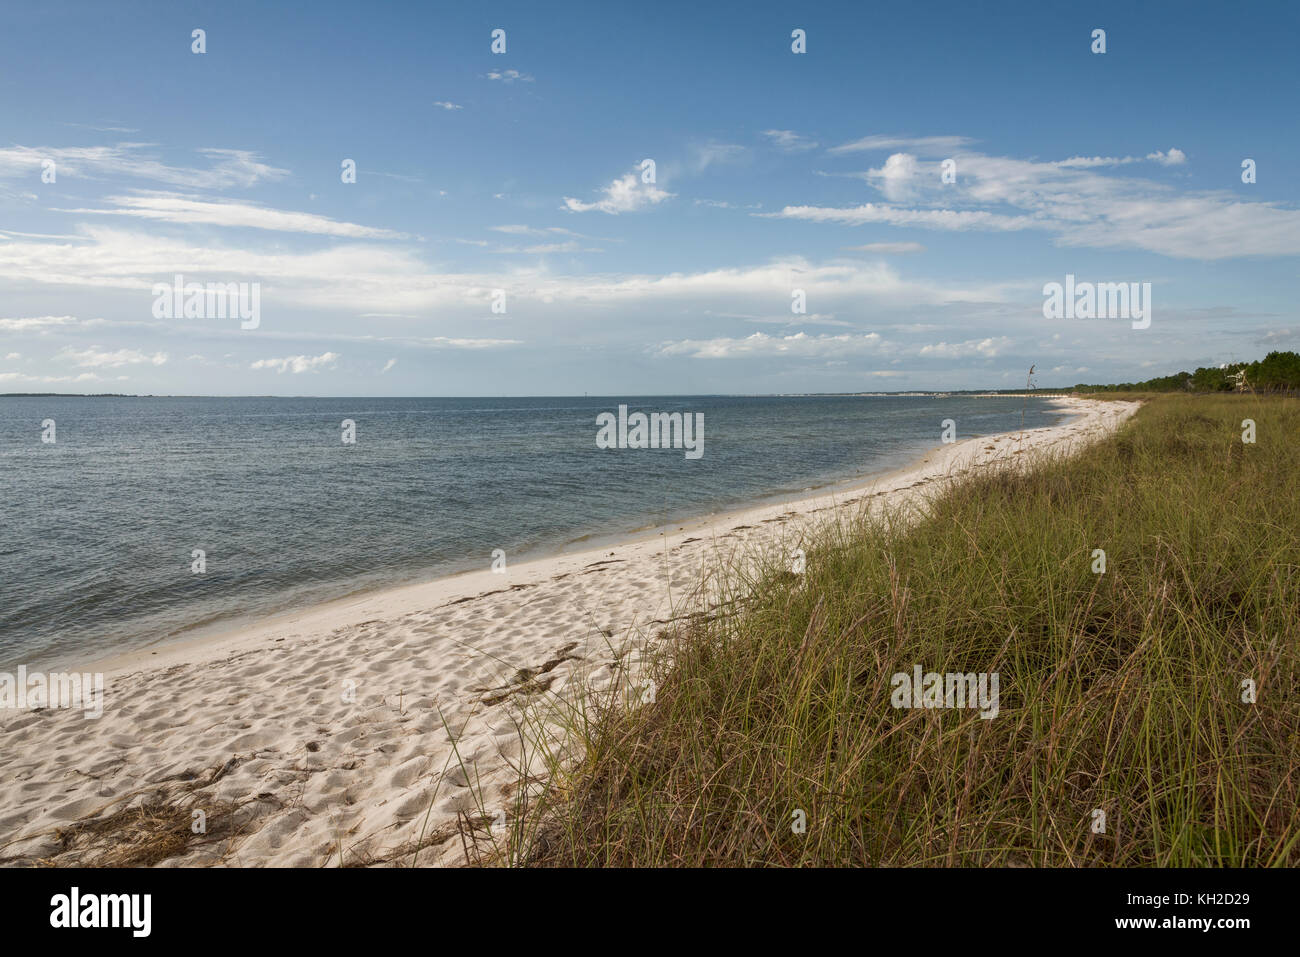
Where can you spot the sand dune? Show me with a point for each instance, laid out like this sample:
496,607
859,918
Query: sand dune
357,732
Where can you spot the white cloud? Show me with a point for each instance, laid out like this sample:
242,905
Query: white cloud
450,343
230,167
178,208
1081,207
888,248
36,323
510,76
760,344
13,355
103,129
298,364
94,358
928,145
388,365
83,377
704,155
448,105
988,348
625,195
790,141
895,178
1175,157
543,248
395,279
1088,162
947,219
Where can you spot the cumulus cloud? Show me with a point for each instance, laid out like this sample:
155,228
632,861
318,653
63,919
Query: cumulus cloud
510,76
624,195
1175,157
298,364
896,178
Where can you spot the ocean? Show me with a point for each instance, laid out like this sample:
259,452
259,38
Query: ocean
101,525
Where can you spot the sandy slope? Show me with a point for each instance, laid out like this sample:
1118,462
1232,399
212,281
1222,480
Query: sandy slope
259,718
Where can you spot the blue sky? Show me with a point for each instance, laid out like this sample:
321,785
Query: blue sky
774,171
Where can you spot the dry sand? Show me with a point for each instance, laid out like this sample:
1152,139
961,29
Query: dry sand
442,675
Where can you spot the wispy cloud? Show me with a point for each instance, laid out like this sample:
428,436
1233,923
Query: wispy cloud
395,279
927,145
947,219
510,76
702,156
888,248
448,105
790,141
25,377
761,344
569,246
36,323
103,129
1080,206
229,167
95,358
988,348
179,208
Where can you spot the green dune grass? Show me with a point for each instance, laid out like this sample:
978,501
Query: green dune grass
1121,693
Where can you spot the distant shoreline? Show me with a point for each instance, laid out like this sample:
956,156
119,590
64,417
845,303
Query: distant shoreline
969,393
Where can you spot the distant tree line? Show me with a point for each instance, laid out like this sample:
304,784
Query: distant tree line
1276,372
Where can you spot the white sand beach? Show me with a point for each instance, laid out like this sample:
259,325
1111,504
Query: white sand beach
260,718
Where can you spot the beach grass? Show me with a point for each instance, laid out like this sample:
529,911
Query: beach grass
1147,715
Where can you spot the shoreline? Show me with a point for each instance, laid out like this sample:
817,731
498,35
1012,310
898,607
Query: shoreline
581,548
259,716
232,627
233,633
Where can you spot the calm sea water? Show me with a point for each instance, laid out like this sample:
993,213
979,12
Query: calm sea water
98,528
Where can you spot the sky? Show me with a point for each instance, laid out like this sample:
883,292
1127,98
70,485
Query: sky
504,236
